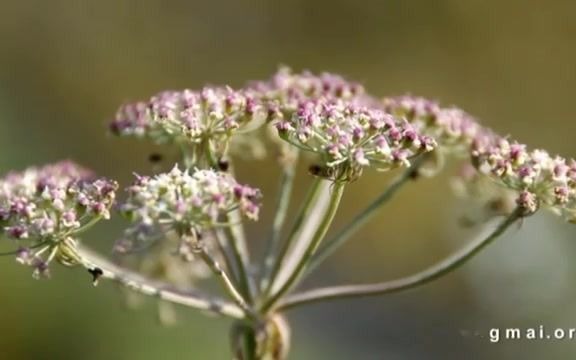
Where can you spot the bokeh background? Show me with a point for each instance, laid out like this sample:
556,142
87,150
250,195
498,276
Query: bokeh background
65,66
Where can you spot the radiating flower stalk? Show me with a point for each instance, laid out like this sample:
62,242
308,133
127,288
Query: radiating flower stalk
186,224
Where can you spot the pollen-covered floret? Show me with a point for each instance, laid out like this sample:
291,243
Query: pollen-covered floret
187,200
43,206
349,138
538,178
211,114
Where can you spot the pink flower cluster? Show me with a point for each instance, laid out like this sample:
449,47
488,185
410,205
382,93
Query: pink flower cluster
47,205
535,177
52,201
213,113
285,90
349,137
539,178
451,127
350,130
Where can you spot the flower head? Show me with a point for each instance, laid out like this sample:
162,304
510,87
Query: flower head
539,179
349,138
285,90
212,114
47,205
452,128
187,202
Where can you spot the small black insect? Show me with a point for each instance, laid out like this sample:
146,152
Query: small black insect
315,170
414,174
323,171
223,165
96,274
155,158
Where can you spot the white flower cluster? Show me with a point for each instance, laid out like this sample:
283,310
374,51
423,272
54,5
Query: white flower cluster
185,200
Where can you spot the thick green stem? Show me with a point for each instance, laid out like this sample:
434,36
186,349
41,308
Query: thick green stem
286,185
363,217
268,339
310,204
322,229
448,265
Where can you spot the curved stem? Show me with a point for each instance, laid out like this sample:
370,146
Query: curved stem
328,217
102,268
286,185
363,217
448,265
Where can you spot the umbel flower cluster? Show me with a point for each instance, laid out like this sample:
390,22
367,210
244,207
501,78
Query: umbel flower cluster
285,91
44,207
188,202
451,127
349,138
204,119
539,178
187,222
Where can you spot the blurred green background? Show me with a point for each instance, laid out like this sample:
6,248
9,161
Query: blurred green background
65,66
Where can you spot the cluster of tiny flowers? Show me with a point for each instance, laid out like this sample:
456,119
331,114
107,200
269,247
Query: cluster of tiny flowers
283,93
349,138
47,205
214,113
186,201
538,178
451,127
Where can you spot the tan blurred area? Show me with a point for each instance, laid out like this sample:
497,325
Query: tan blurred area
65,66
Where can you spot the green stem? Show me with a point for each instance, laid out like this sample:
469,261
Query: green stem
448,265
336,196
224,279
304,213
265,339
107,270
286,186
363,217
241,260
224,249
188,157
237,243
